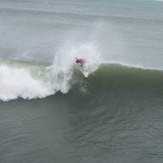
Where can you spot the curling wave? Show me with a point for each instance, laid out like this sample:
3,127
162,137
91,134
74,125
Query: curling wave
31,80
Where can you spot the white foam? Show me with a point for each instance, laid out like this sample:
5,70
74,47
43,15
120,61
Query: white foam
20,81
60,73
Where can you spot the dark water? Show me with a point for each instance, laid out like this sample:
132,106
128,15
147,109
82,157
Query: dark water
115,117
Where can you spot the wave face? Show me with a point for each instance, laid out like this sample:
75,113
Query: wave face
119,77
117,82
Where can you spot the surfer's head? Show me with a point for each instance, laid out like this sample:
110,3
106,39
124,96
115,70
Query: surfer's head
77,60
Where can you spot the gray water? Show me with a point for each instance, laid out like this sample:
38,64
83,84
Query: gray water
49,112
129,32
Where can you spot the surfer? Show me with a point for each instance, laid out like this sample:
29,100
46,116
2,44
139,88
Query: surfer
84,69
80,61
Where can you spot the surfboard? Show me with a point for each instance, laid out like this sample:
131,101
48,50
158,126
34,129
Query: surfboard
85,72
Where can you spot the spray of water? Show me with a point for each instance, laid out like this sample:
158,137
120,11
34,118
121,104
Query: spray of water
28,83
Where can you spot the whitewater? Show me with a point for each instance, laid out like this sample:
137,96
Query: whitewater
34,80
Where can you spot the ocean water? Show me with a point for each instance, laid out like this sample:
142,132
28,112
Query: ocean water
50,112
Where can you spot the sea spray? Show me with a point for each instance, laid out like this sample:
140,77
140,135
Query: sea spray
60,73
28,81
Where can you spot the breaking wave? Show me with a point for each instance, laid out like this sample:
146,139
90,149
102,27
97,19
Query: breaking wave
33,80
